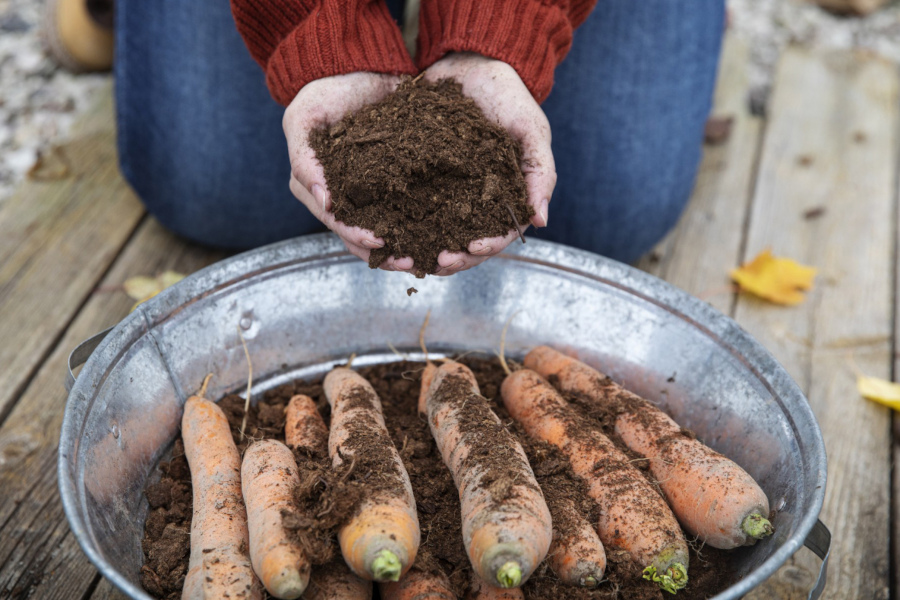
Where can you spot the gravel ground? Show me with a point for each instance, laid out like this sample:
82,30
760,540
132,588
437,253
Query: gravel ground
770,25
39,102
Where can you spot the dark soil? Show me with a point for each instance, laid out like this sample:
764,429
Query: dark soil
426,171
327,497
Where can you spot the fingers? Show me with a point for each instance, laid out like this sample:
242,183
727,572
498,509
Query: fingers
532,130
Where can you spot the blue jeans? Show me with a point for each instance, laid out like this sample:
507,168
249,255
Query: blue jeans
200,140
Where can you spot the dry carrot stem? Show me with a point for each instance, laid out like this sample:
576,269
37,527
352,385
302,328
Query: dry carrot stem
506,524
219,566
633,516
713,497
381,540
268,478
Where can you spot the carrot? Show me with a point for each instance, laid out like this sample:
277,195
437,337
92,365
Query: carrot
713,497
479,590
268,478
633,516
576,555
506,525
418,585
219,566
304,427
334,581
381,540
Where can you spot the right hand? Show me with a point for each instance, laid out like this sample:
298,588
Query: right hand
321,103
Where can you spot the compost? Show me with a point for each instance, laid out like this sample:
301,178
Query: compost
426,171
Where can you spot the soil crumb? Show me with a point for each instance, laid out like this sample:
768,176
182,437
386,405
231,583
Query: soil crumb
327,497
425,170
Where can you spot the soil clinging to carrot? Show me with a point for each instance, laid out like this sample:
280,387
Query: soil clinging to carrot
425,170
166,542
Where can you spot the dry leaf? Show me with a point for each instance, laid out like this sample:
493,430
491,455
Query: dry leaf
779,280
879,390
142,288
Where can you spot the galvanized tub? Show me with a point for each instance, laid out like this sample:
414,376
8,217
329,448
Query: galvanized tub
304,304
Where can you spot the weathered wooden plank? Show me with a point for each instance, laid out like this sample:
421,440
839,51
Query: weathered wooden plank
106,591
38,554
830,151
697,255
57,238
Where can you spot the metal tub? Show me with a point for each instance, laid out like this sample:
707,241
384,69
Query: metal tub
301,305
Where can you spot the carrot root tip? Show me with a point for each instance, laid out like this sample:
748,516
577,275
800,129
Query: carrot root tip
289,585
386,566
671,581
509,575
757,526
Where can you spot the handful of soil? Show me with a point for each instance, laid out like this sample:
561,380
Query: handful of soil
425,170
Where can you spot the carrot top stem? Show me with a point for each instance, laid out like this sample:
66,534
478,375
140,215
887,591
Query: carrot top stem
757,526
386,566
509,575
671,581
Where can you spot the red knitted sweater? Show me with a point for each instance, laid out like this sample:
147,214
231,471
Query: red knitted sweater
298,41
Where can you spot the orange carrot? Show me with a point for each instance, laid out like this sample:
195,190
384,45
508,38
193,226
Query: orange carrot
268,478
418,585
304,427
334,581
506,525
713,497
381,540
479,590
633,516
576,555
219,566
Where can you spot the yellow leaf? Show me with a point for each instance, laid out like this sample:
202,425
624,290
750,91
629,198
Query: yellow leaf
778,280
168,279
879,390
142,288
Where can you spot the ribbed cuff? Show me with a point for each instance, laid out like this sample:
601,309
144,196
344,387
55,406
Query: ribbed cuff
532,36
337,37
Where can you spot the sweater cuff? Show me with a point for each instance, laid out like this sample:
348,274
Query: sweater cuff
532,36
337,38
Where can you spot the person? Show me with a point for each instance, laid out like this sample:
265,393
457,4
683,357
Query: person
207,143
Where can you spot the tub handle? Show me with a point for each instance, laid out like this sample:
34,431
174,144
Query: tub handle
81,353
819,541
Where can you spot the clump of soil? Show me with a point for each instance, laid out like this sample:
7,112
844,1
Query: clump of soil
426,171
326,498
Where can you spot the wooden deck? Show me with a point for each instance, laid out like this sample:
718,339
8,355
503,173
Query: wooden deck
816,180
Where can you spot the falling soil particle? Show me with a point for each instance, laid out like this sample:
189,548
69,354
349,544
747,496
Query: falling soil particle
326,498
411,291
425,170
814,213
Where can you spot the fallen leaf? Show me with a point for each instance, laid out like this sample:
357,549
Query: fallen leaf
717,130
879,390
779,280
142,288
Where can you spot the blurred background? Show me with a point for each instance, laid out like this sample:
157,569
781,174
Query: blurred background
55,54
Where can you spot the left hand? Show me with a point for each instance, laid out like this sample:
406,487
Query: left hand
497,89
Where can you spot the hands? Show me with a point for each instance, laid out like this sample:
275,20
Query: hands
499,92
325,102
495,87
